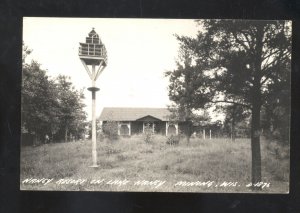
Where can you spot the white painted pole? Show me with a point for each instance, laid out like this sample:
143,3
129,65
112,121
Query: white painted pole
94,133
93,74
210,134
203,133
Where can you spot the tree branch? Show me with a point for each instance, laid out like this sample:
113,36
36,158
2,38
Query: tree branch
231,102
245,34
267,77
270,54
275,63
240,42
275,60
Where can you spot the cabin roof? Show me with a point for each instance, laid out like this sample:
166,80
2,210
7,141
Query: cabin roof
133,114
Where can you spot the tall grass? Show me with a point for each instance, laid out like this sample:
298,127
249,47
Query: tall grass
131,158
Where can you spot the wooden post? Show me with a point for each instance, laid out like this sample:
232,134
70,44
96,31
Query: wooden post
129,127
119,132
143,127
203,133
153,127
166,128
210,134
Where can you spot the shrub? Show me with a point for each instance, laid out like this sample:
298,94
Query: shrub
148,134
173,140
110,130
110,150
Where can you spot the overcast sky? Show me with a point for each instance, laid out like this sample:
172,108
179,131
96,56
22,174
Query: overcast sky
139,52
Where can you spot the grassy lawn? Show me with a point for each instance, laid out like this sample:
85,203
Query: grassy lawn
130,164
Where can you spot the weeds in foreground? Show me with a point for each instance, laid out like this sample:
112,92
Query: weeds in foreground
132,158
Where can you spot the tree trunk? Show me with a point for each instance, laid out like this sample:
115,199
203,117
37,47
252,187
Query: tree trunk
255,143
187,139
190,132
233,128
35,143
66,134
256,107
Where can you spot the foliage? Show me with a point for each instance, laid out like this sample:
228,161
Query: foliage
216,127
25,52
38,101
50,106
240,62
133,159
172,140
236,121
148,134
189,120
110,130
276,110
180,92
72,117
89,129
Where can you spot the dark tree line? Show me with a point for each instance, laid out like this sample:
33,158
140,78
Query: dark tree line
236,122
237,64
50,106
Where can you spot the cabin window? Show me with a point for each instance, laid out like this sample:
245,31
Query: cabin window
124,130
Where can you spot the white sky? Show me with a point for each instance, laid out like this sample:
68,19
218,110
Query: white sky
139,52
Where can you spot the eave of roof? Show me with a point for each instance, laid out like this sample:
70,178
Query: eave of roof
133,114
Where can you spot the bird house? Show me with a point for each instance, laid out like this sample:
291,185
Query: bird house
93,51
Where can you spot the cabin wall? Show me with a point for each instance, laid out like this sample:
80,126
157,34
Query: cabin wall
137,127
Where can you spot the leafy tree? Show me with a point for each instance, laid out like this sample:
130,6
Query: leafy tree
234,115
25,52
38,101
190,120
72,117
238,62
181,90
216,127
180,114
49,106
276,110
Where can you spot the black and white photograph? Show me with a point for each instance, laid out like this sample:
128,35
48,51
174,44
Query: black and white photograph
156,105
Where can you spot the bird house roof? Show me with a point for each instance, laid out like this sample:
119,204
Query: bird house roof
93,34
